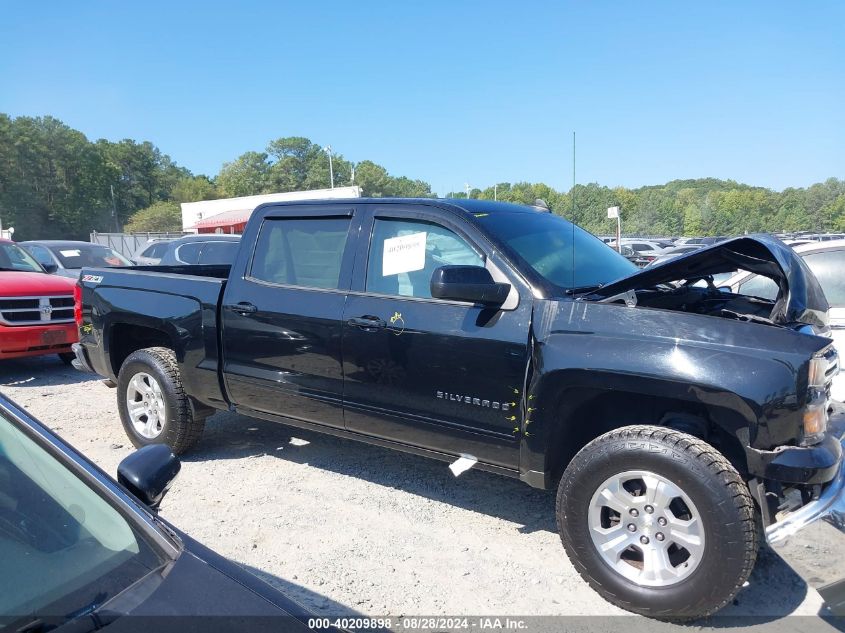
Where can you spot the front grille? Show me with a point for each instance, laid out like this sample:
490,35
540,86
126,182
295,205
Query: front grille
36,310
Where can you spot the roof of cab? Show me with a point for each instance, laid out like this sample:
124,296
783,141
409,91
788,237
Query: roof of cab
470,206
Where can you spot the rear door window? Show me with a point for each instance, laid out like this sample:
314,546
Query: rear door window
219,253
189,253
301,251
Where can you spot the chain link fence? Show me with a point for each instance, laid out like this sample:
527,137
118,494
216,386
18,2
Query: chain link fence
127,243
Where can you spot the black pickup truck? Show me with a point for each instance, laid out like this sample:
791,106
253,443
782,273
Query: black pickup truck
675,419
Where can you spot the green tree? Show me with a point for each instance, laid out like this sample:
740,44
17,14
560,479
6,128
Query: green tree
193,189
248,175
158,217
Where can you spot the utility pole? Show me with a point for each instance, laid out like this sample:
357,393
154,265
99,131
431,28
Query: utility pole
114,210
466,186
495,192
353,173
328,150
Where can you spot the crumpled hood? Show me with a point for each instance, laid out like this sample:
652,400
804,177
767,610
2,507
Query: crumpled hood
802,299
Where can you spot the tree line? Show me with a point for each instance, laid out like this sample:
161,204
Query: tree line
55,183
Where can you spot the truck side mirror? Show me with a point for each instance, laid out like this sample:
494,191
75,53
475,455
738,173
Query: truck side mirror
468,283
149,472
50,268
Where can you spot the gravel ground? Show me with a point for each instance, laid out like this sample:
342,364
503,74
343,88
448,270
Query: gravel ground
348,528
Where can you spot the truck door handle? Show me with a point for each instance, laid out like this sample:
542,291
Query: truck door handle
367,323
243,308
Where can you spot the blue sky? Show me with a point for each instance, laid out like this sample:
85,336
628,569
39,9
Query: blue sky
451,92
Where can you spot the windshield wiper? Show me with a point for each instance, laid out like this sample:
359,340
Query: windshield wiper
580,289
85,619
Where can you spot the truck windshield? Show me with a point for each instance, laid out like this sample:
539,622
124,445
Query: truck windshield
563,254
13,257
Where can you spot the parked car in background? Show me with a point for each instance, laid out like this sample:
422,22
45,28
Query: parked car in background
634,257
650,248
150,252
201,249
36,309
82,551
827,261
706,241
67,258
671,253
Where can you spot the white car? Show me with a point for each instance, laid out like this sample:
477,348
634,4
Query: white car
827,261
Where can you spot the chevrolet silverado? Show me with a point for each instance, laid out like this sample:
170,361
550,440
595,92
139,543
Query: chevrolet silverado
678,422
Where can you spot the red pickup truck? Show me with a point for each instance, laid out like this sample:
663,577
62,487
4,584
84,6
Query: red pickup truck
36,309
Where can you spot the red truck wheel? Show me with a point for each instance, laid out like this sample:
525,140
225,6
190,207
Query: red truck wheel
153,405
658,522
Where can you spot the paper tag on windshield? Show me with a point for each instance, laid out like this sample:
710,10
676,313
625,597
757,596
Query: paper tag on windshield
404,254
74,253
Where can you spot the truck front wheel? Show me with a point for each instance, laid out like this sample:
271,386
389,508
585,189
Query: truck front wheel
153,405
658,522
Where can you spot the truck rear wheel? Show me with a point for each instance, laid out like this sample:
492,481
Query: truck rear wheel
153,405
658,522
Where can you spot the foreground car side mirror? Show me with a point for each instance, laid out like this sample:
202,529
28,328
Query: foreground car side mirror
50,268
149,472
468,283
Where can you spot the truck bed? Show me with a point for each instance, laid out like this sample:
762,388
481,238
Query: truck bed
179,302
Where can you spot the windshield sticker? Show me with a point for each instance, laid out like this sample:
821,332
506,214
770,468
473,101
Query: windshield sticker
404,254
73,253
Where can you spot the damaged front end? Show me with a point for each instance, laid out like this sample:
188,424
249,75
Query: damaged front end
686,284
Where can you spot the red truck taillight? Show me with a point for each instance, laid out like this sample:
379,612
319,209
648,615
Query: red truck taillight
77,304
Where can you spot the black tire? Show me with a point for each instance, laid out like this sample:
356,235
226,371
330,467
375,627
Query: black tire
67,357
179,429
708,480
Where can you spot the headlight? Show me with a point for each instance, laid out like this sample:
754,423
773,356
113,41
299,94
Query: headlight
818,370
815,414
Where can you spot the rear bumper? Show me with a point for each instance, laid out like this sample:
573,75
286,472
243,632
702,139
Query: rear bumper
81,361
812,541
36,340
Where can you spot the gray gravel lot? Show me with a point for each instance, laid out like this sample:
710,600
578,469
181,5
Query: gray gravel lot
349,528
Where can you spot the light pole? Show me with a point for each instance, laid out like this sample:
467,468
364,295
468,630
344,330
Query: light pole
328,150
495,192
114,210
466,186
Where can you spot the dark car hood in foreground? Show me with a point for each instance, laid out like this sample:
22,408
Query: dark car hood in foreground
802,298
203,591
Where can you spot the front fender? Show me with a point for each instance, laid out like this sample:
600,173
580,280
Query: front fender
743,377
